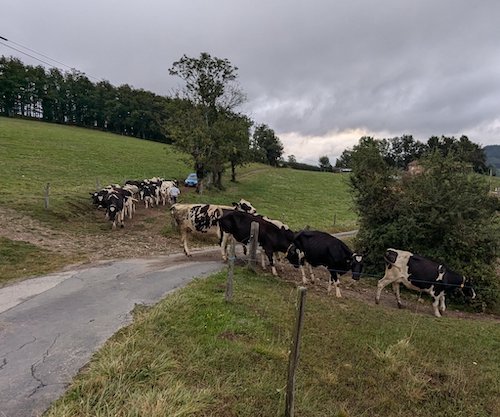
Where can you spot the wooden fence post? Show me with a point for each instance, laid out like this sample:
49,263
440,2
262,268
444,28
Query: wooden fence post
97,184
46,197
230,274
253,243
293,358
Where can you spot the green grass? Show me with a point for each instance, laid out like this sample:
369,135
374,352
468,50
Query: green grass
71,159
22,259
195,355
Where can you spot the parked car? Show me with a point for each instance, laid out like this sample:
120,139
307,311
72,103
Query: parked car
191,180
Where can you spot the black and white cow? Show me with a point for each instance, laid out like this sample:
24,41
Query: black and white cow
114,203
271,237
322,249
418,273
202,218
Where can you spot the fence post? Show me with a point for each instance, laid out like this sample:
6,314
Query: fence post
46,197
253,243
293,358
97,184
230,274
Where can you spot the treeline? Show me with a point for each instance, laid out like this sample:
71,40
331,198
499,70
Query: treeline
200,121
398,152
71,98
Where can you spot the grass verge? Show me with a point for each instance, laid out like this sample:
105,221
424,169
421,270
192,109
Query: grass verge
195,355
21,259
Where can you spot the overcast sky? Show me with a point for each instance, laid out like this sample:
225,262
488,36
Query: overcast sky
320,73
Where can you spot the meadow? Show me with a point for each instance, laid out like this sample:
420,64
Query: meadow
194,354
73,160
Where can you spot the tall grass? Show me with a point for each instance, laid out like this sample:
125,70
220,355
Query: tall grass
196,355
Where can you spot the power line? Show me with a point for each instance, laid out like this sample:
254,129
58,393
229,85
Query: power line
43,55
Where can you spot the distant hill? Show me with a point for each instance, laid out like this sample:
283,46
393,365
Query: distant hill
493,155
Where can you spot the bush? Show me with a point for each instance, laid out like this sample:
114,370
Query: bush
444,213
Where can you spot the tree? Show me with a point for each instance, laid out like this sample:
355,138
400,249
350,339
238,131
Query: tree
292,159
212,91
324,163
267,147
400,151
463,149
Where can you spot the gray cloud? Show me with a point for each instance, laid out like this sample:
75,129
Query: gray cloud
310,69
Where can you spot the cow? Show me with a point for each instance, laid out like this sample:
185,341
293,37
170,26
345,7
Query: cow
322,249
271,237
114,203
420,274
202,218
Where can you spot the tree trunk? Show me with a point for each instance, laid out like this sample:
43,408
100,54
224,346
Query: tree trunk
233,172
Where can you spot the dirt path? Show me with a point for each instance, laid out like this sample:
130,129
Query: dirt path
142,238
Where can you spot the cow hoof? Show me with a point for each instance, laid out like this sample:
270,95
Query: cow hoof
400,306
377,301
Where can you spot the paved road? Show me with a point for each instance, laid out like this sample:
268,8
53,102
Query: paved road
50,326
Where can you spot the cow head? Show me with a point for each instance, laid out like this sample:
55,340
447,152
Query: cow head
245,206
468,289
295,256
356,265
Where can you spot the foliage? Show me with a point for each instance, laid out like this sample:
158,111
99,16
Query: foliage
71,98
444,213
463,149
266,146
194,354
398,152
205,125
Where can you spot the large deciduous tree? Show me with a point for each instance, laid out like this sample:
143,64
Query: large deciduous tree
203,127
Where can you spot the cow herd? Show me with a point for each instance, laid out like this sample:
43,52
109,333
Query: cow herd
306,248
315,248
120,201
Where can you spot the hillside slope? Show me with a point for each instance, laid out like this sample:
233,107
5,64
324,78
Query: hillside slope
73,160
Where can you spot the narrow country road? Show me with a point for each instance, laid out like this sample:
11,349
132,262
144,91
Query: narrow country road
50,326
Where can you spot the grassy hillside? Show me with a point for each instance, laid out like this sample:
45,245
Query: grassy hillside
195,355
72,160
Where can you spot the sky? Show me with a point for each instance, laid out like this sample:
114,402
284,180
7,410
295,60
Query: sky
320,73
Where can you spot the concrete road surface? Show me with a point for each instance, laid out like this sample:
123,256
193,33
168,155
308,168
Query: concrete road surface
50,326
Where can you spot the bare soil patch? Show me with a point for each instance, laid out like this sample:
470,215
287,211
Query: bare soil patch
141,236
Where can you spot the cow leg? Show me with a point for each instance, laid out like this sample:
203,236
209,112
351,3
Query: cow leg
442,303
223,246
304,279
270,256
334,278
386,280
435,305
311,273
184,238
395,288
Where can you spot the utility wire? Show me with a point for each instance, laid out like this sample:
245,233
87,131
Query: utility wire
43,55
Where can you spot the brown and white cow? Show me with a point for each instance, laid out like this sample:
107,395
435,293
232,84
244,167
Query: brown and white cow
420,274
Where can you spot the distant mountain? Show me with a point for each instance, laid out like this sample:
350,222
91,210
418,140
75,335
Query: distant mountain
493,155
